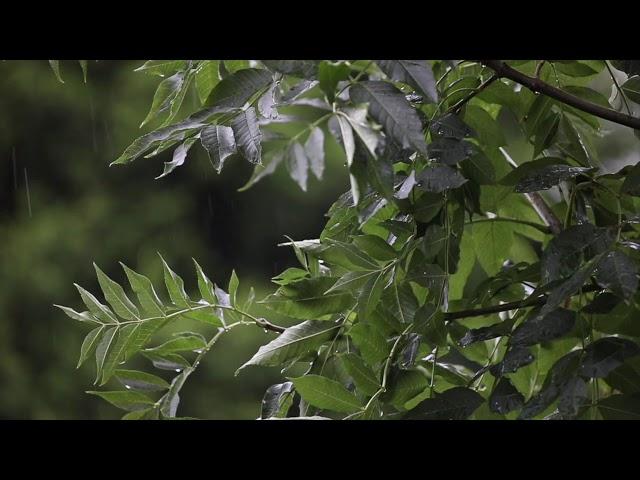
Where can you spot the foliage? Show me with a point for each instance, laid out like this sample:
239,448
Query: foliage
451,281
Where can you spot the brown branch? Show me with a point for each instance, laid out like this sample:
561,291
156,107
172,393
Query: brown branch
531,301
537,85
481,87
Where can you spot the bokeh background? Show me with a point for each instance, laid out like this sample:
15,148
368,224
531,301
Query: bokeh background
62,208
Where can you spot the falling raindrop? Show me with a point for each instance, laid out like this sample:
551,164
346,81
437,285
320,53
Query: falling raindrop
26,182
178,370
265,330
198,350
128,387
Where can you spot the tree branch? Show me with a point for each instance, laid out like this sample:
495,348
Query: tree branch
537,85
531,301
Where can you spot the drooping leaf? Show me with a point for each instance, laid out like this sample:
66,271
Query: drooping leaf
235,90
298,165
275,400
247,134
620,407
416,73
390,108
220,143
55,66
314,150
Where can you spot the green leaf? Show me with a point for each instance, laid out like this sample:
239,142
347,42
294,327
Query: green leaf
239,88
80,316
314,150
363,377
617,272
89,344
479,168
488,131
450,151
205,286
102,349
100,311
55,66
165,96
371,343
546,177
162,68
515,358
371,293
185,343
438,178
631,184
406,385
456,403
298,68
450,126
117,352
179,156
207,77
330,74
168,361
298,165
376,247
307,298
171,400
348,143
175,286
147,296
352,281
136,380
114,294
130,401
390,108
605,355
247,134
492,242
620,407
276,400
505,398
220,144
543,329
83,66
293,342
327,394
416,73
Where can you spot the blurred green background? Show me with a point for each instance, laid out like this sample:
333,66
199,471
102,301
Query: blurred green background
62,208
59,139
